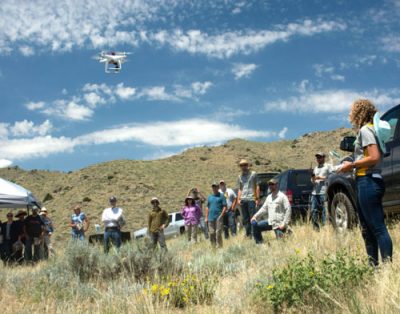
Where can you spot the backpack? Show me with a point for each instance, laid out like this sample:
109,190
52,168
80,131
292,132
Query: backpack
382,131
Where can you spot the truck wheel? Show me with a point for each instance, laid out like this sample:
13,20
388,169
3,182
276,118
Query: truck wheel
182,230
343,214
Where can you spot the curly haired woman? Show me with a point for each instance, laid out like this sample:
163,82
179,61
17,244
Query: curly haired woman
370,186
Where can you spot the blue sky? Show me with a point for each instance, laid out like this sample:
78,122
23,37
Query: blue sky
200,73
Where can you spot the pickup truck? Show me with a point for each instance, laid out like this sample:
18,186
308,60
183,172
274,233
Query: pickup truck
176,227
341,192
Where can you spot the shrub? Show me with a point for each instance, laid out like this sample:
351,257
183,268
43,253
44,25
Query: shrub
87,199
47,197
304,281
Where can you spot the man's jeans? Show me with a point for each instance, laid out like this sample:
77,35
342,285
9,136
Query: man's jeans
229,223
158,237
78,236
261,226
37,255
111,235
216,232
248,211
318,210
370,192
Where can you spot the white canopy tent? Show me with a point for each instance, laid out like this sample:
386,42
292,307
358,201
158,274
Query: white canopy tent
15,196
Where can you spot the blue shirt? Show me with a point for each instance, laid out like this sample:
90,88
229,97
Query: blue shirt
78,219
215,204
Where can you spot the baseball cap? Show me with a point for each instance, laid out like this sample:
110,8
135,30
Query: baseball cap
320,154
272,181
154,199
221,181
113,199
214,184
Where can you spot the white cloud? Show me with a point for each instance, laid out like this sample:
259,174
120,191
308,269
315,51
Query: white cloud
35,105
338,77
18,149
4,163
26,51
200,88
28,128
282,133
124,92
157,93
3,130
159,134
333,101
243,70
391,43
69,110
226,44
93,99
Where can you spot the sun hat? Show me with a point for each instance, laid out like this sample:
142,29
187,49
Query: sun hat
153,199
382,131
243,162
272,181
21,212
221,181
190,196
43,210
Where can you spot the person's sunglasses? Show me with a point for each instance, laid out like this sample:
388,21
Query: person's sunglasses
271,184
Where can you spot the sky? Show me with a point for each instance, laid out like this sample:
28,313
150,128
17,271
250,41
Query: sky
199,73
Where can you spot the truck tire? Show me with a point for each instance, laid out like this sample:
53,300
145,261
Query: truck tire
343,214
182,230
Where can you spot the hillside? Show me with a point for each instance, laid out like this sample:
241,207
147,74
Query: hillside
135,182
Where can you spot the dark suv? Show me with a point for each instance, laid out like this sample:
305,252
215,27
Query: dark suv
341,191
297,185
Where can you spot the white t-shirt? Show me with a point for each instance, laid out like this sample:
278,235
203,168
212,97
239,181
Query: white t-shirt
319,185
112,217
278,209
230,196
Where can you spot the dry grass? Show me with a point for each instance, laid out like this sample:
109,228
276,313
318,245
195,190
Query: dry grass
52,287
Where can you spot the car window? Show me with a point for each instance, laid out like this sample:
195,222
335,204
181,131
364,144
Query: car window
283,181
179,217
302,178
392,118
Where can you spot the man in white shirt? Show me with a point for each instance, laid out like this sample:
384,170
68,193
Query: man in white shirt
113,221
229,217
279,211
318,177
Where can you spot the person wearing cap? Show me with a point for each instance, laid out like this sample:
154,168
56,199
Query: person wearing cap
229,217
157,222
215,210
318,177
47,245
191,213
367,165
33,230
248,194
199,200
113,220
79,224
278,210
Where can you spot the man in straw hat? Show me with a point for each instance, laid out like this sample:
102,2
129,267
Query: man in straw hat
278,209
248,194
157,222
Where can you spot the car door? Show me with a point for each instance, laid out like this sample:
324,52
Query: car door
171,227
391,161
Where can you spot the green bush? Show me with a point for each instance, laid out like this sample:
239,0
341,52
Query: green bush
305,281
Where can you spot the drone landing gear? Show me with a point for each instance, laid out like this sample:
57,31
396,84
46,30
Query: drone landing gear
112,67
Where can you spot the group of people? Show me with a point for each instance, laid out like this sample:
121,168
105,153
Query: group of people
217,213
28,238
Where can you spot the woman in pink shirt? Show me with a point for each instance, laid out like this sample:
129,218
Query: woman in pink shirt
192,214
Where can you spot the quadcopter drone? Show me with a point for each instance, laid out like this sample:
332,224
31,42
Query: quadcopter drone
112,60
